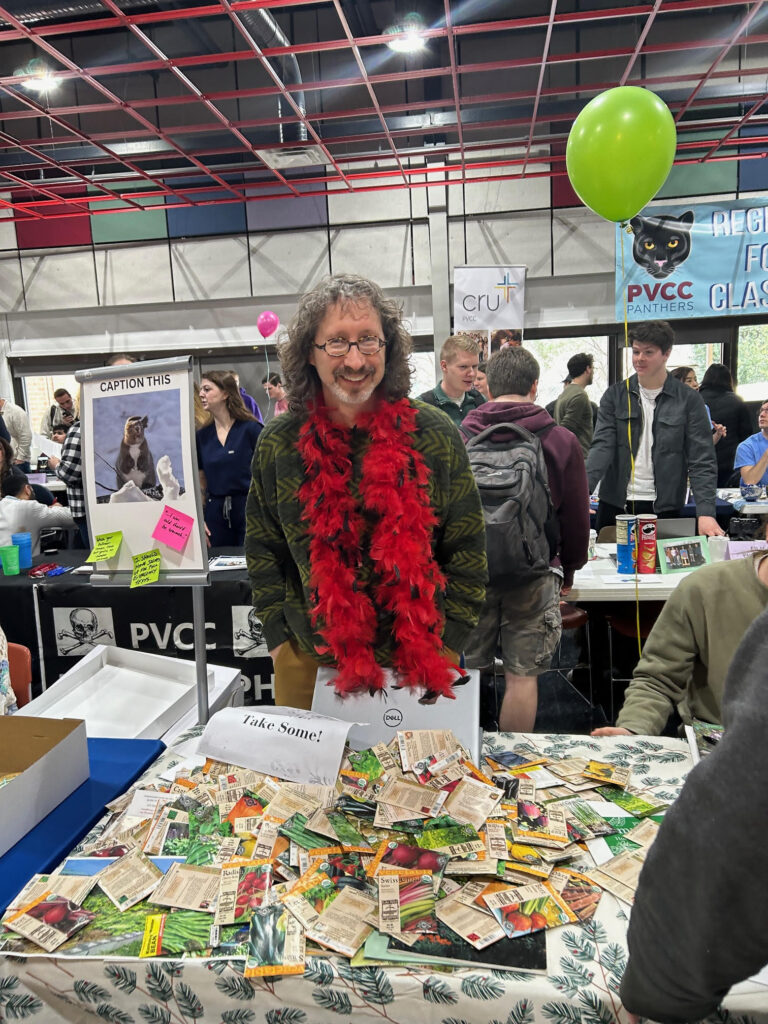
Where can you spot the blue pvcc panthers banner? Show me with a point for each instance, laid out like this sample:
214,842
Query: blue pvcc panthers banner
694,259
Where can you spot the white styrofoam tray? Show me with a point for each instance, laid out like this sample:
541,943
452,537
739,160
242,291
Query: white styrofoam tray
122,693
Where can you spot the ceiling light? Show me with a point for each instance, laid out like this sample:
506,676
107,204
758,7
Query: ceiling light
40,79
409,30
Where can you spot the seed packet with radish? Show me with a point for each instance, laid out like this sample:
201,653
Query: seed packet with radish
529,908
49,921
407,902
242,888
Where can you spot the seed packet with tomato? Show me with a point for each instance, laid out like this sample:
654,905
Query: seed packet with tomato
242,888
529,908
49,921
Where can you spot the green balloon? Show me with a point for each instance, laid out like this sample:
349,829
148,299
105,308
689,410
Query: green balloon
620,150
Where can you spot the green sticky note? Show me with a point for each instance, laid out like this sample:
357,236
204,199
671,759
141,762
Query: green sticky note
146,568
106,546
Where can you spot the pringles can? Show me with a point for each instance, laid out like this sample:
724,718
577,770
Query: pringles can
626,543
646,543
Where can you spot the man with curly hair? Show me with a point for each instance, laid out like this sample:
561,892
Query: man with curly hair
365,539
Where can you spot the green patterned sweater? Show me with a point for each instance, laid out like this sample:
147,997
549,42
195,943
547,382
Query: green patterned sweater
277,544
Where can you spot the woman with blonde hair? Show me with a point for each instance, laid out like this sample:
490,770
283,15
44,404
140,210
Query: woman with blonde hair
224,451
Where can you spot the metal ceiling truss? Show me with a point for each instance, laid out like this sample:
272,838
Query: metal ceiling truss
63,159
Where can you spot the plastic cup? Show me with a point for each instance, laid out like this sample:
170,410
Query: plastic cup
9,556
23,542
718,548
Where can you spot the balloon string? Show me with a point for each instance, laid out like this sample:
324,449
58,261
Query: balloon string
622,229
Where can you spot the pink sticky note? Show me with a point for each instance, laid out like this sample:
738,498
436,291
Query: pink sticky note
173,528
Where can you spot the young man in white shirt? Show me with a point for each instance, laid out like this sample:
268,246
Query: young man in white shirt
21,513
671,440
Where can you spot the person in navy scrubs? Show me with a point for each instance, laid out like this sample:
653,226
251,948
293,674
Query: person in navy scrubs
224,452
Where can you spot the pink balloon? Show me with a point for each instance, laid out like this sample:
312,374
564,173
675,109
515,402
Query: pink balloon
268,322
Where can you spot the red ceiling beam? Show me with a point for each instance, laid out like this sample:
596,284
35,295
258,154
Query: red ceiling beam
454,76
196,60
211,10
256,51
540,83
367,83
179,75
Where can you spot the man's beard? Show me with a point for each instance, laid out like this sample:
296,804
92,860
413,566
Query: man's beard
353,398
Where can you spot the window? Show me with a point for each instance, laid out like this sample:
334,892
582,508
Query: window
38,394
753,363
553,355
698,356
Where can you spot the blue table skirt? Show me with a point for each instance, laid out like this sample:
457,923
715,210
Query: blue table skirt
115,764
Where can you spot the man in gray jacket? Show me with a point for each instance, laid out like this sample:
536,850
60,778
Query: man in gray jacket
652,435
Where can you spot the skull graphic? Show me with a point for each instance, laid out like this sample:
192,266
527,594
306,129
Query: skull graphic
84,624
252,638
83,632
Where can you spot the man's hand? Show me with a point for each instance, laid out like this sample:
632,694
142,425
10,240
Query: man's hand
611,730
207,535
276,650
53,461
565,591
708,527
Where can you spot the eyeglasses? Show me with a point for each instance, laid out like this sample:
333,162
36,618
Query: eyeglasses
367,346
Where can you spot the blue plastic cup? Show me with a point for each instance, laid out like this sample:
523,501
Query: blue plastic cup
23,542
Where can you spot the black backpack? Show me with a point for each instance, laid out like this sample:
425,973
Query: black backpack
521,528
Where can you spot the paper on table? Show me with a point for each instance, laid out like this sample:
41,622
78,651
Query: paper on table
294,744
46,446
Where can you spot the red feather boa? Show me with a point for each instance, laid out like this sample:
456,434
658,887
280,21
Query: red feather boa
394,515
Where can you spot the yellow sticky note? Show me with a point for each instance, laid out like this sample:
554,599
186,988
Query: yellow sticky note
146,568
106,546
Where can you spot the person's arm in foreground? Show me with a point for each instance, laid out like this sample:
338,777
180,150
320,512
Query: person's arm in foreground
698,922
664,671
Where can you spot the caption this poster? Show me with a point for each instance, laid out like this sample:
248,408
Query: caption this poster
693,260
488,298
139,471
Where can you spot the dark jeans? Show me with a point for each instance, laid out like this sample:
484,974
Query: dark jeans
606,514
81,540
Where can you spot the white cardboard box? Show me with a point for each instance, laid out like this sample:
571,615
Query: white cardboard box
122,693
52,756
390,710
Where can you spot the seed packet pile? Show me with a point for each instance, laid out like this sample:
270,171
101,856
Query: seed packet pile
415,855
